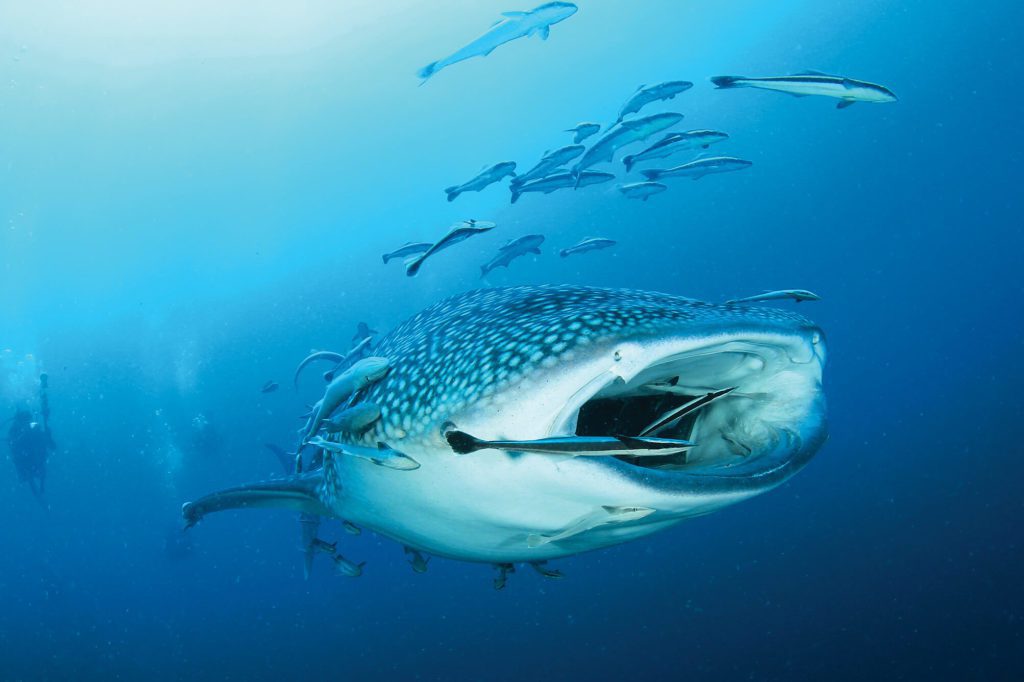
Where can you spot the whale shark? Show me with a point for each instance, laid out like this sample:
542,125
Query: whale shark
556,363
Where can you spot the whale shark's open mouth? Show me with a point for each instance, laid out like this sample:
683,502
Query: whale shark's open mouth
746,402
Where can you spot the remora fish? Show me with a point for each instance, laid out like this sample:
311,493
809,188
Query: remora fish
357,352
558,181
269,387
514,25
573,446
348,568
675,142
381,455
813,83
355,378
458,232
417,560
646,94
488,176
797,295
600,517
582,131
406,250
587,244
542,362
355,419
625,133
550,162
513,248
642,190
699,168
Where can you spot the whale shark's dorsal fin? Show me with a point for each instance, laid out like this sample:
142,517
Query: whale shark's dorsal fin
299,493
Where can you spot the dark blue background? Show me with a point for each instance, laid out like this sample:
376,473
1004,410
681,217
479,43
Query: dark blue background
175,243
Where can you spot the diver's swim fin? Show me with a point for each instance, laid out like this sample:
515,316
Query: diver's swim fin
298,493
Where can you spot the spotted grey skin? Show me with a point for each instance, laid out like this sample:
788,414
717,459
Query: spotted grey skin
522,364
460,352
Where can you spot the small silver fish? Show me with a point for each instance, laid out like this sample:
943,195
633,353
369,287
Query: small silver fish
355,378
797,295
357,353
600,517
587,244
807,83
488,176
673,143
625,133
541,567
582,131
511,26
325,547
563,180
406,250
513,248
348,568
574,446
699,168
416,560
642,190
549,163
457,233
354,420
382,455
646,94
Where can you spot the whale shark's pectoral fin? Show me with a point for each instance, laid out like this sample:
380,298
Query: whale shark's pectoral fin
298,493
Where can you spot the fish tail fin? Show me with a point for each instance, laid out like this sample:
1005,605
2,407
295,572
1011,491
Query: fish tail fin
298,493
386,257
563,253
726,81
515,193
427,71
452,192
579,177
461,442
412,266
483,271
651,173
628,161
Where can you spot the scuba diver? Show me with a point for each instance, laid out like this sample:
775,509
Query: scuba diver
30,443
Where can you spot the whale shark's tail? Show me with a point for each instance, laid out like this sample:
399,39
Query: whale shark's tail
298,493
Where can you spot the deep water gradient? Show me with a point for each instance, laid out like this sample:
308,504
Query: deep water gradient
192,197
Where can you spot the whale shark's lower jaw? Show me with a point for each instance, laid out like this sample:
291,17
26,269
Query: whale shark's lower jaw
493,505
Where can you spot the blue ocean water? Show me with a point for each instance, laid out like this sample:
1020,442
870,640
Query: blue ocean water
195,195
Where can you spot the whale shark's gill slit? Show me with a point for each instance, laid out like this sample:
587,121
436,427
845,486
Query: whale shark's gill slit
630,414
